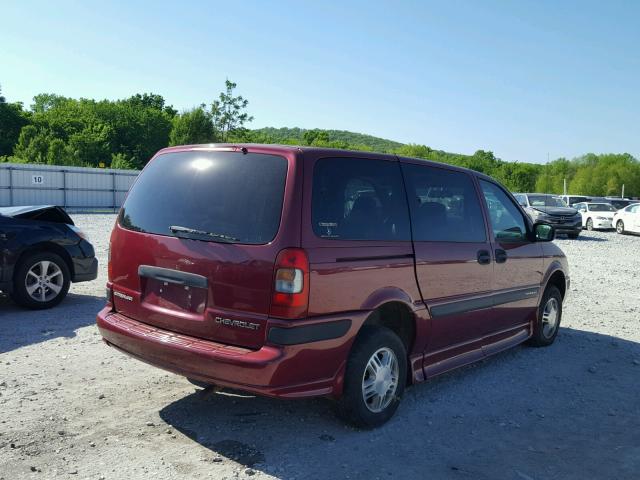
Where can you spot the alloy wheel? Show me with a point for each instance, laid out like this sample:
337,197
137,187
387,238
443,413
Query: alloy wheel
44,281
550,315
380,380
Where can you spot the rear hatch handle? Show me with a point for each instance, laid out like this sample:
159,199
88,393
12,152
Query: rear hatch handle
173,276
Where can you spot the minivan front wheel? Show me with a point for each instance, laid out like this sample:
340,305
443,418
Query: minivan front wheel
620,227
375,378
547,323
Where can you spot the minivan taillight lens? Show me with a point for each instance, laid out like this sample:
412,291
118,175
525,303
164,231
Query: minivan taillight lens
291,284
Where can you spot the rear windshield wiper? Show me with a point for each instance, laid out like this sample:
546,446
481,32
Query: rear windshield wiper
177,229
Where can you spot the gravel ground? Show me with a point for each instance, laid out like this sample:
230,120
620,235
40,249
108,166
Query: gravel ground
70,407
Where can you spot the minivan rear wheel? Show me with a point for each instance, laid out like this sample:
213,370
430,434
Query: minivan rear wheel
547,323
375,378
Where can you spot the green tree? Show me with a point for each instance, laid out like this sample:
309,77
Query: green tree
120,160
46,101
152,100
12,119
229,113
57,153
518,177
192,126
33,145
90,147
315,137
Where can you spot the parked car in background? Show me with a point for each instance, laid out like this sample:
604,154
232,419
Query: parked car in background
294,272
542,207
596,215
41,252
571,200
627,220
617,203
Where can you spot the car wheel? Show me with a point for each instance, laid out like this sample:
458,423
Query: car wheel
375,378
41,281
620,227
547,323
589,224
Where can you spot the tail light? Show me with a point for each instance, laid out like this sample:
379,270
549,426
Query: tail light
109,296
291,284
109,292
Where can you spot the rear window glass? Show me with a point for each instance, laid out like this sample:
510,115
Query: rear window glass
601,207
546,201
359,199
235,197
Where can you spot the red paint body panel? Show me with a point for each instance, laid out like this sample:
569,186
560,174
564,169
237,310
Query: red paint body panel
189,330
270,370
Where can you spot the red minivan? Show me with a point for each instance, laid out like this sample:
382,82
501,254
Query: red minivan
297,272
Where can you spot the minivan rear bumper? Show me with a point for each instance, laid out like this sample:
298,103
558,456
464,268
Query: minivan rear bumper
291,371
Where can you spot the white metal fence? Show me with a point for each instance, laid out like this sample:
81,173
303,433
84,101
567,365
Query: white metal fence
75,188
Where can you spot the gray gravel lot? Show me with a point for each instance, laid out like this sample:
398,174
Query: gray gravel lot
70,407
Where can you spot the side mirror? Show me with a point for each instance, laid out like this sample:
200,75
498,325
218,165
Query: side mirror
544,232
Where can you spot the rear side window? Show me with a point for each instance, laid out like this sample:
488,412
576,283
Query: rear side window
359,199
444,205
506,219
234,196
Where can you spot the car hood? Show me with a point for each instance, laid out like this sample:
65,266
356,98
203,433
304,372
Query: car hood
44,213
565,211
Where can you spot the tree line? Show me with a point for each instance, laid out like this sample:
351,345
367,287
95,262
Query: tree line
58,130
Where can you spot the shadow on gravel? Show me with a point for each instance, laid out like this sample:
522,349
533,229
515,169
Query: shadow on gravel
585,238
20,327
569,411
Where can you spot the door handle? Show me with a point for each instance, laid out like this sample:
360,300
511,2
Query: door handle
484,258
501,255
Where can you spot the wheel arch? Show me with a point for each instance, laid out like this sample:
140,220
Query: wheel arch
44,247
398,317
556,276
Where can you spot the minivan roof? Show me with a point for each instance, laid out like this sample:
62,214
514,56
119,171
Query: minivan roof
546,194
278,149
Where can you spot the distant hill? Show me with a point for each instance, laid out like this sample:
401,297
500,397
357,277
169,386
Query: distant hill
296,135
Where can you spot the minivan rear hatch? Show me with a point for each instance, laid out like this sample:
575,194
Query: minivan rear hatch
193,249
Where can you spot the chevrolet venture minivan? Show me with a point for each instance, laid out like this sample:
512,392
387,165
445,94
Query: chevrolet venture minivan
298,272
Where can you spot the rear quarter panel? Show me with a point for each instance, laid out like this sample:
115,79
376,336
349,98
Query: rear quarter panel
354,275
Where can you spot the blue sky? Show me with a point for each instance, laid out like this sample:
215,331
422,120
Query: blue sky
521,78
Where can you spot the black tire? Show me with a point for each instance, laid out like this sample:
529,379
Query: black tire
573,235
589,224
620,227
21,296
544,337
352,406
